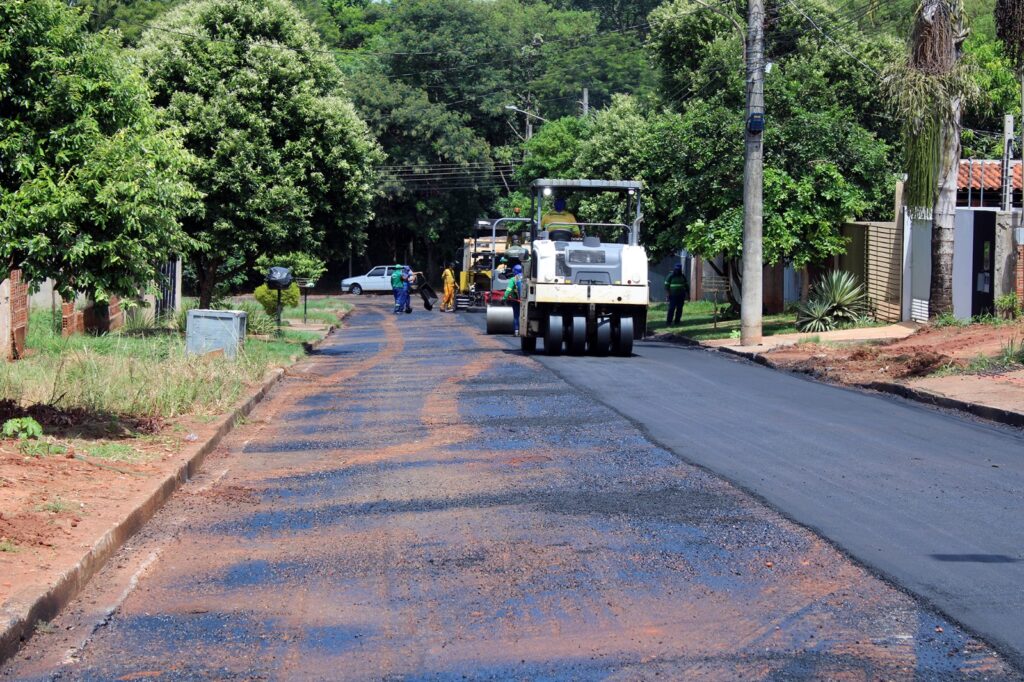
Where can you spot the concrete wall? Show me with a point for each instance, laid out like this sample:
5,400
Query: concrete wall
1006,252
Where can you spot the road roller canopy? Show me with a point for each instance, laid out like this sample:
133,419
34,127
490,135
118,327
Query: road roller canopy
589,185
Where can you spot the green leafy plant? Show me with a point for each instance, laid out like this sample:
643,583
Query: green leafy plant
181,317
813,316
303,265
268,298
8,546
257,322
22,428
836,299
1008,306
947,319
41,448
1011,353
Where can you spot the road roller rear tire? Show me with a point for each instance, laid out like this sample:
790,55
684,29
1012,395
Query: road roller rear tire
553,335
601,344
622,337
577,341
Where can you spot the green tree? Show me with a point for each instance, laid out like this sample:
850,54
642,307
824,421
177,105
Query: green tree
827,153
285,163
928,89
440,177
91,188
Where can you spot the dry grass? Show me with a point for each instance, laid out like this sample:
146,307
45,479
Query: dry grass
149,376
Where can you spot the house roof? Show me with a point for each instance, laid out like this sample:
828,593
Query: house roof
978,173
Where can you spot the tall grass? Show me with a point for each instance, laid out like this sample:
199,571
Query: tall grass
138,376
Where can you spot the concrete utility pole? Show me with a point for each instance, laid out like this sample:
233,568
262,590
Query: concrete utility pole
1007,163
586,102
752,298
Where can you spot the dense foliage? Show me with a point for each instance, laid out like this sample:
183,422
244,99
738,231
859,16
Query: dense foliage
260,92
91,185
284,161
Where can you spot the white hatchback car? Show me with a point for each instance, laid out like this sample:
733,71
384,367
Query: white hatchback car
376,281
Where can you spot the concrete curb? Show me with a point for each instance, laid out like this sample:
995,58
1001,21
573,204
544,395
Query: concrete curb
995,414
19,618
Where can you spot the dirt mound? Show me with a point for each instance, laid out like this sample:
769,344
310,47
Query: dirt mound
919,355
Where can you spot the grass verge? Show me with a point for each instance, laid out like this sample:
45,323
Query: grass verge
698,322
137,375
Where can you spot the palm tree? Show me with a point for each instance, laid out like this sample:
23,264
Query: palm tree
927,93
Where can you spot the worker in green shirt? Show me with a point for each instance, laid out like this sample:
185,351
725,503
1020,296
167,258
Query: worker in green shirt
678,290
396,286
514,295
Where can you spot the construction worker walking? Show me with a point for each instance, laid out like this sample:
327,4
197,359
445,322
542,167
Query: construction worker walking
396,286
514,295
448,278
678,289
405,297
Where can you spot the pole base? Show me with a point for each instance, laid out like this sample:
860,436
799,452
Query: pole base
751,335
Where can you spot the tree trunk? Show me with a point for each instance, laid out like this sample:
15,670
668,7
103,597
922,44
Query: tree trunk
944,220
207,275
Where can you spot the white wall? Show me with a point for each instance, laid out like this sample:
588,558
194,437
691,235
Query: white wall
963,263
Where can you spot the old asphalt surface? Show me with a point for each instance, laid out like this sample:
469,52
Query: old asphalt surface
419,501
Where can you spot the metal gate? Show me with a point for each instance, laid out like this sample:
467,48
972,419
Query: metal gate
884,270
167,299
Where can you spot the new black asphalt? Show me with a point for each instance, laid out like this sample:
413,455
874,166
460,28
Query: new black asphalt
929,499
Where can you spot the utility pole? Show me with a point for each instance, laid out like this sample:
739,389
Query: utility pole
1007,163
586,102
529,128
752,299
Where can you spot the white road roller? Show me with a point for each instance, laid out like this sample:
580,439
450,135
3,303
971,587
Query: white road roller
585,286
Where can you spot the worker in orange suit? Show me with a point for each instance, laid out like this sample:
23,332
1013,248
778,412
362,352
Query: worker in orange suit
448,278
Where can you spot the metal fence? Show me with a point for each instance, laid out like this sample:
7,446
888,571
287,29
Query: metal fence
884,268
167,299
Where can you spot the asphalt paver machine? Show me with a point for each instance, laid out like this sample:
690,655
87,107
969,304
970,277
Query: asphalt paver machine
586,288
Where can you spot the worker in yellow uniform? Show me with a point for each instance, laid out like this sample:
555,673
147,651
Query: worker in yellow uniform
448,278
560,219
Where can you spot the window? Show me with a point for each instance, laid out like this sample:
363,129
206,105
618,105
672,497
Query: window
376,272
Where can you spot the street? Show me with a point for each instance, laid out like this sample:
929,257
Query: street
421,501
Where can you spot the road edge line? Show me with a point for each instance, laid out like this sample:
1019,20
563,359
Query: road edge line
20,620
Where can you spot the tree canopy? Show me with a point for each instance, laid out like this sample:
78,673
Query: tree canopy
284,161
91,184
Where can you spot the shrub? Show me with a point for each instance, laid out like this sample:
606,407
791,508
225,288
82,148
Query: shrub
268,298
813,317
22,428
181,317
948,319
838,298
257,321
1008,306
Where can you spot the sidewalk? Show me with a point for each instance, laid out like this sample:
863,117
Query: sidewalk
860,335
925,364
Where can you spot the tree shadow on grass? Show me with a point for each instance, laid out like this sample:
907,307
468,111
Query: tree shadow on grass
81,423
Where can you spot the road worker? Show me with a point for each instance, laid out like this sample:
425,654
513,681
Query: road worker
514,294
560,219
396,286
678,290
404,299
448,279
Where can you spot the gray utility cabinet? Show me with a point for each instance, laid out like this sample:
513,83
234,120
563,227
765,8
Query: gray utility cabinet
213,330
